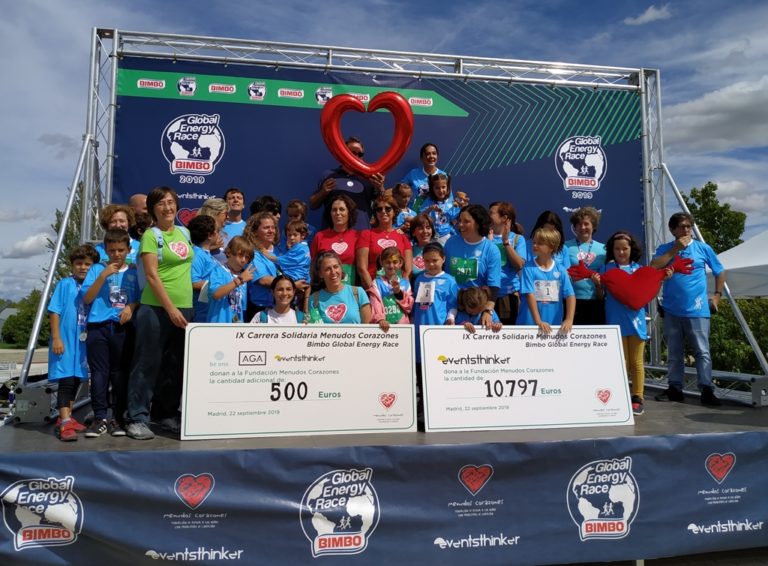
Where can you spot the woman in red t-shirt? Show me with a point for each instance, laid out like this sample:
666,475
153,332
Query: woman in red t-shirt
383,235
341,238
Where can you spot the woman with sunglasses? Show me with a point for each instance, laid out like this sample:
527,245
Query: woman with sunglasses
383,235
340,181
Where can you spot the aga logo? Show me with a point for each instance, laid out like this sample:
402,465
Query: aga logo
339,512
252,358
42,512
581,163
193,144
603,499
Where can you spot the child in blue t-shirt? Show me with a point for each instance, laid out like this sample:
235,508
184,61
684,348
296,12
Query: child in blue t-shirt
401,194
545,284
112,292
472,303
296,209
390,293
227,294
67,354
441,206
435,293
204,237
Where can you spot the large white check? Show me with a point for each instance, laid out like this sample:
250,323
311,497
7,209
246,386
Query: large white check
517,378
249,380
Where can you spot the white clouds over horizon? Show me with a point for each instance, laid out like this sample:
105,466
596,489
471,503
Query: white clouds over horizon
29,247
652,14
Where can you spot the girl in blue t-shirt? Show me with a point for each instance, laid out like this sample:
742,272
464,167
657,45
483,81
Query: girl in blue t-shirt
472,303
622,251
441,206
390,294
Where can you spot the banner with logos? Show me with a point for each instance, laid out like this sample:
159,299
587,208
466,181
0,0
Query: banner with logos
204,127
605,499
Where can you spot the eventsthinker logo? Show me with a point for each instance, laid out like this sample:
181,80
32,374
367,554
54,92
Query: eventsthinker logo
476,541
200,553
729,526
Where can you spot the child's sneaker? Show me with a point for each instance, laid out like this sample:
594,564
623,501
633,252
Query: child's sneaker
637,405
79,427
66,432
97,428
115,428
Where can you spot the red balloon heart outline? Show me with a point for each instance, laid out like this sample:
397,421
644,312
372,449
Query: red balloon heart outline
330,127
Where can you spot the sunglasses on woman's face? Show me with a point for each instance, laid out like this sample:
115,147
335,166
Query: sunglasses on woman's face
383,209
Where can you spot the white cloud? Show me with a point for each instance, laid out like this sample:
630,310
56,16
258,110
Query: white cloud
652,14
729,118
15,215
15,284
28,247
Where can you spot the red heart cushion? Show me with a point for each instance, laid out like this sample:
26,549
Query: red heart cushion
635,290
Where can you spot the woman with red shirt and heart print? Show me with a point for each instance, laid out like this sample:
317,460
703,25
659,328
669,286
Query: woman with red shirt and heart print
383,235
341,237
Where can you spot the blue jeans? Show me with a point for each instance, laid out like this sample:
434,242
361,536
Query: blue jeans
159,349
696,330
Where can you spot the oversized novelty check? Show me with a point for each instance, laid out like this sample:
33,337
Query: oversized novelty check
249,380
517,378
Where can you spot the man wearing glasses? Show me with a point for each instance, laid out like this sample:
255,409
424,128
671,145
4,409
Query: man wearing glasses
687,308
361,190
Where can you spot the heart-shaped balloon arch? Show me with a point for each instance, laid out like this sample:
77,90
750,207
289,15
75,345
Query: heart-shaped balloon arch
330,126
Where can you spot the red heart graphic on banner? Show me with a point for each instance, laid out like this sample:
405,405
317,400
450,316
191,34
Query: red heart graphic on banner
385,243
330,127
186,214
387,399
336,312
418,261
474,478
180,249
193,490
720,465
339,247
604,395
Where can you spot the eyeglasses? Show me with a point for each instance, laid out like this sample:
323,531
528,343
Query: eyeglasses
383,209
359,153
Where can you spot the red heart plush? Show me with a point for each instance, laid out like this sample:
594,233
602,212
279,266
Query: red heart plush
604,395
633,290
474,478
720,465
186,214
330,127
336,312
387,399
193,490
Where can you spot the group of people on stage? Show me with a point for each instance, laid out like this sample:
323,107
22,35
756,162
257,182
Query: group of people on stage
417,253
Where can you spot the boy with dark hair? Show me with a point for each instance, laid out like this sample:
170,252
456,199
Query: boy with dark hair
112,293
202,233
67,357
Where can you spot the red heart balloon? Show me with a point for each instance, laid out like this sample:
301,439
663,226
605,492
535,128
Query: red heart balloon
330,127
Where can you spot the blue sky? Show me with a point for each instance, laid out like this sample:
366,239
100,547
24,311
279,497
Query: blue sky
712,55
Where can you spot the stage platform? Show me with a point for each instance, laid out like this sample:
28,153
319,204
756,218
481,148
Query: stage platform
685,479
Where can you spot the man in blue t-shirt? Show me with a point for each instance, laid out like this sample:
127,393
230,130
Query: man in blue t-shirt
687,308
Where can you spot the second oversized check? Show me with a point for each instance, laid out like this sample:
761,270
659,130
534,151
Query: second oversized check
244,380
518,378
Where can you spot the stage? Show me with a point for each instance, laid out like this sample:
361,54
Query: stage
684,479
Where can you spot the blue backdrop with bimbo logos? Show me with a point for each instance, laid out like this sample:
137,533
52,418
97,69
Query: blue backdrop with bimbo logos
202,128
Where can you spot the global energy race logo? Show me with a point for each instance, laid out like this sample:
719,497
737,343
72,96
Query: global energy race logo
603,499
42,512
581,163
193,144
339,512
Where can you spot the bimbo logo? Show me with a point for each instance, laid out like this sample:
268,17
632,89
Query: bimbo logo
193,144
290,93
339,512
581,163
420,101
42,512
603,499
222,88
156,84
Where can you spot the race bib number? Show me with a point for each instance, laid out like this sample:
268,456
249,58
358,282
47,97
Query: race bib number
464,269
546,291
426,293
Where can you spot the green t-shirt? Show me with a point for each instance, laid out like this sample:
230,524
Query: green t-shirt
175,269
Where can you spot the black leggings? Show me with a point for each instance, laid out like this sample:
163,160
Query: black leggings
67,391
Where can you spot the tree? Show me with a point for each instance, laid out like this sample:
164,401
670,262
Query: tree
730,350
721,227
18,327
